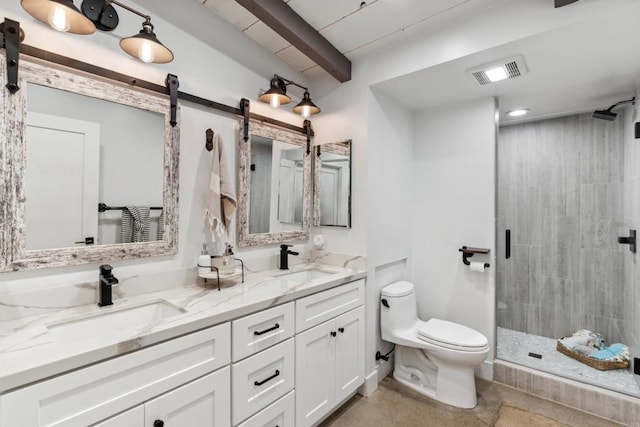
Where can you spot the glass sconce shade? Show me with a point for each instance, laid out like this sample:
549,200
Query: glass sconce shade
61,15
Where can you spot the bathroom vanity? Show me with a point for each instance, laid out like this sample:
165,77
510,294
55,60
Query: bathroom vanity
276,350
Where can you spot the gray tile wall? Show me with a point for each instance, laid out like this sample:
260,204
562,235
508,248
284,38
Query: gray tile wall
560,191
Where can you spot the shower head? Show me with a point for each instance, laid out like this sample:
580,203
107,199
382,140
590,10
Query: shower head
605,114
608,114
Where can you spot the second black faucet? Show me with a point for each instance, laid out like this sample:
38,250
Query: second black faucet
284,256
105,282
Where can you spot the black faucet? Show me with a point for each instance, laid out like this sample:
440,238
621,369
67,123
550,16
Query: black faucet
107,280
284,256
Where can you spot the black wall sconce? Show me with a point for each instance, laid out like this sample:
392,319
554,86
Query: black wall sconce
62,15
277,95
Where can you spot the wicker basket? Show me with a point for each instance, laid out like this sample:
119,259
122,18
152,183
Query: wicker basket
602,365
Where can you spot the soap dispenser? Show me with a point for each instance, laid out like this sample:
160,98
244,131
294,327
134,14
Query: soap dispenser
204,261
227,266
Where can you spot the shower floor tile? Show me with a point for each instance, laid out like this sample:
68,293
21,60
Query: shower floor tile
514,346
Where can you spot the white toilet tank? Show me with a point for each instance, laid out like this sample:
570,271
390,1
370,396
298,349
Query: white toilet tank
397,308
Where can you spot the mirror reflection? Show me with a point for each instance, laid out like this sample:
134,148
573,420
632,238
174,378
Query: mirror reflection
99,152
74,142
275,186
332,189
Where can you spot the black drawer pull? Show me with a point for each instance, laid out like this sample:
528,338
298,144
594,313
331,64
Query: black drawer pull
341,330
334,333
273,328
267,379
158,423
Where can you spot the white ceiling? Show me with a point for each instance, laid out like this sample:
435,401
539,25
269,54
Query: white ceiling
353,29
591,63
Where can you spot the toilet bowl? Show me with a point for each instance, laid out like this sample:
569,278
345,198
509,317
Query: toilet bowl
436,357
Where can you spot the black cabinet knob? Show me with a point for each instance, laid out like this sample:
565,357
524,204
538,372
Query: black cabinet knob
158,423
341,330
333,333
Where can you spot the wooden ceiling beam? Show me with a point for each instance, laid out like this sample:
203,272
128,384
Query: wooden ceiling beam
277,15
560,3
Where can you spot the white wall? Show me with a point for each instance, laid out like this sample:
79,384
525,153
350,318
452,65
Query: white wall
202,71
454,205
390,190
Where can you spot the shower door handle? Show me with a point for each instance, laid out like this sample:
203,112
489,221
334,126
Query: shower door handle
630,240
507,244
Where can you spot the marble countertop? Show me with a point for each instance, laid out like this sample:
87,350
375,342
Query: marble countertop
30,349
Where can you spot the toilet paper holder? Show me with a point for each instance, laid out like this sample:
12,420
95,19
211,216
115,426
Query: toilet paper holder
469,252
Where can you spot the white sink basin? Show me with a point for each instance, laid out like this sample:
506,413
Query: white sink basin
305,275
115,319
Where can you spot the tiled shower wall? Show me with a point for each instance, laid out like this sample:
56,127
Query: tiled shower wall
560,192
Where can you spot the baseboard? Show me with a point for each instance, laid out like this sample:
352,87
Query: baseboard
485,371
370,384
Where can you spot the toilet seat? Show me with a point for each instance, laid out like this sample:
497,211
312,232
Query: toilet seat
451,335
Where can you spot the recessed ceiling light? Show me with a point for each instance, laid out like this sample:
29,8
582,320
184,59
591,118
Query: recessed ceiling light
517,113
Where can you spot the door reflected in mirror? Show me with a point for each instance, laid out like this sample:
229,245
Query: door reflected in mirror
89,152
277,182
332,186
274,176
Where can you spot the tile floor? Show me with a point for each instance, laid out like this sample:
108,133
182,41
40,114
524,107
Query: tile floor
393,404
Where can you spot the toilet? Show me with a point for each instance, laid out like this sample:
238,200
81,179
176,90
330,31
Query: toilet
436,358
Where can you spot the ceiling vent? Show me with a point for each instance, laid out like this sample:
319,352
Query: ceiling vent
500,70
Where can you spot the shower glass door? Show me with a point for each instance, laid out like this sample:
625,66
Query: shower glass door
561,193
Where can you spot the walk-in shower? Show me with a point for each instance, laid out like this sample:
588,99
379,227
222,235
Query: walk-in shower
567,189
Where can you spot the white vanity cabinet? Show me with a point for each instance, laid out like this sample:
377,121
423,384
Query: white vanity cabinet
264,364
286,366
202,402
330,352
185,371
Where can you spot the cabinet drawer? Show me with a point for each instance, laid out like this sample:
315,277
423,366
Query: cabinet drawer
280,413
261,330
91,394
261,379
320,307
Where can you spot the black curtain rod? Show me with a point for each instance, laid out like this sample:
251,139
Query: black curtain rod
123,78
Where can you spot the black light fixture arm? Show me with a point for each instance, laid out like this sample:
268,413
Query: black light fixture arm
288,82
107,3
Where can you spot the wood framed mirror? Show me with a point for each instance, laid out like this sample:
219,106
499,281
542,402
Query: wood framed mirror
71,142
274,186
332,184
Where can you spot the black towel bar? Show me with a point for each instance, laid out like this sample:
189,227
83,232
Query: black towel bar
103,207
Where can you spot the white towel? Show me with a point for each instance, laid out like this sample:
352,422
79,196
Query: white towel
221,201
